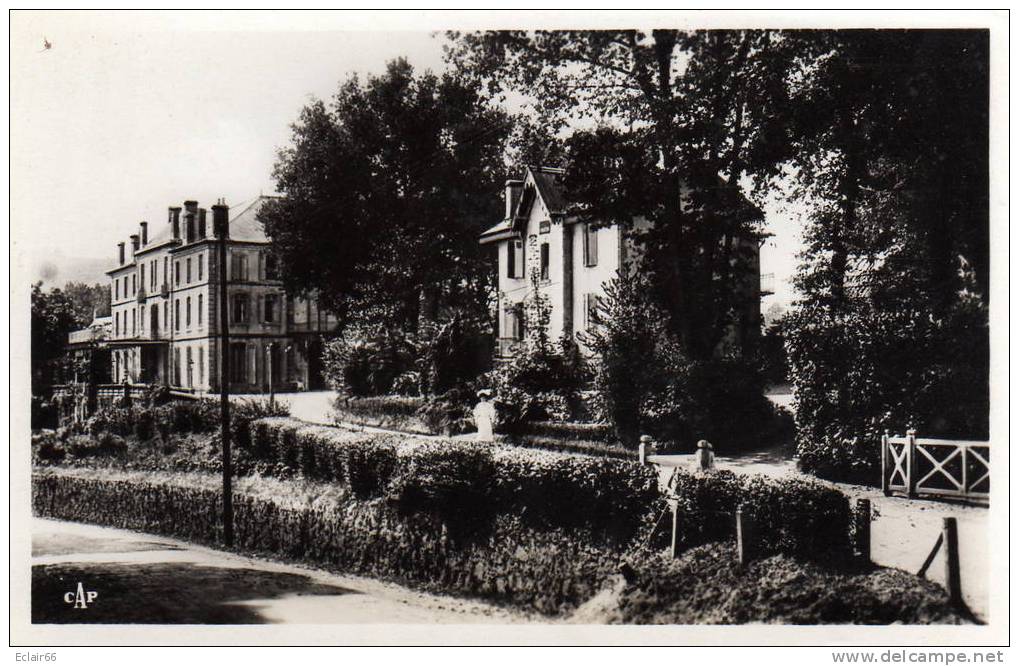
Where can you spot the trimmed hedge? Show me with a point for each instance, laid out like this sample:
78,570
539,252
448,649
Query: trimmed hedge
551,571
574,432
465,481
792,516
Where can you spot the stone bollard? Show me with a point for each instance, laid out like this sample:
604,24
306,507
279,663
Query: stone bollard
645,449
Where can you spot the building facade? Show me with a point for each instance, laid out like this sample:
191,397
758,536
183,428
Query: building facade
165,309
571,260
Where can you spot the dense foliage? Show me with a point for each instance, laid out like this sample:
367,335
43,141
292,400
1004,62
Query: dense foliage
544,379
890,149
385,190
646,384
707,585
692,104
53,318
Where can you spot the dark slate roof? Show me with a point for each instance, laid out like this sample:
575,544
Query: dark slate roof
549,190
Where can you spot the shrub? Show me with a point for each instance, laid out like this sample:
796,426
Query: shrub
47,448
364,363
865,369
452,356
105,445
793,516
450,413
646,384
707,585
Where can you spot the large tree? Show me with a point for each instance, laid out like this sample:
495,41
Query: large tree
385,190
678,110
889,138
53,318
89,300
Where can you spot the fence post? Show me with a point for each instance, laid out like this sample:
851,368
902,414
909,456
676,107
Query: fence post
744,535
884,464
952,579
862,530
910,463
674,547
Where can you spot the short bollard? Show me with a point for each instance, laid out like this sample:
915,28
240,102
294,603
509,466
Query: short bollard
645,449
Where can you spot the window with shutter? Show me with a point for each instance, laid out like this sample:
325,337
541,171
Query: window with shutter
590,246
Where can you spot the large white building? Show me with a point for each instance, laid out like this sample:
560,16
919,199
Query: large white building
165,308
573,260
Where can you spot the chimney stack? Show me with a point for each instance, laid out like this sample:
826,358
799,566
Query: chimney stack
135,239
221,220
120,253
145,233
201,224
175,222
513,189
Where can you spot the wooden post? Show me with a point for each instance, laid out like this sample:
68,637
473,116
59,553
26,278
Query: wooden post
911,463
884,465
953,581
863,517
674,548
744,535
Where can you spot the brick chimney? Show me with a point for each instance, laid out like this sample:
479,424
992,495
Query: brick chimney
120,253
135,243
145,233
190,217
221,220
513,190
201,224
175,222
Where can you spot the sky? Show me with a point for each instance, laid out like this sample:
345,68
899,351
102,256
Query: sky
126,114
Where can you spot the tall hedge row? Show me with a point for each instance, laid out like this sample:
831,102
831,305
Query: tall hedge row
466,482
548,570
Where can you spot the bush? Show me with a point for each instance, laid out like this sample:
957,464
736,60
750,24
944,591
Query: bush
863,370
453,356
707,585
365,363
646,384
792,516
47,448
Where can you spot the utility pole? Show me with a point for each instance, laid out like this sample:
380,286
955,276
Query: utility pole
220,224
269,350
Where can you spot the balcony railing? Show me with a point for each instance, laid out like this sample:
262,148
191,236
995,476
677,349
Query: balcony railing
164,289
767,284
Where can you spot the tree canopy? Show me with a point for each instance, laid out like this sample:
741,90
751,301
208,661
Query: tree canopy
385,191
672,110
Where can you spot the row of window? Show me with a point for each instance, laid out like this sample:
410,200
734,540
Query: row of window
514,323
192,271
240,313
515,261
